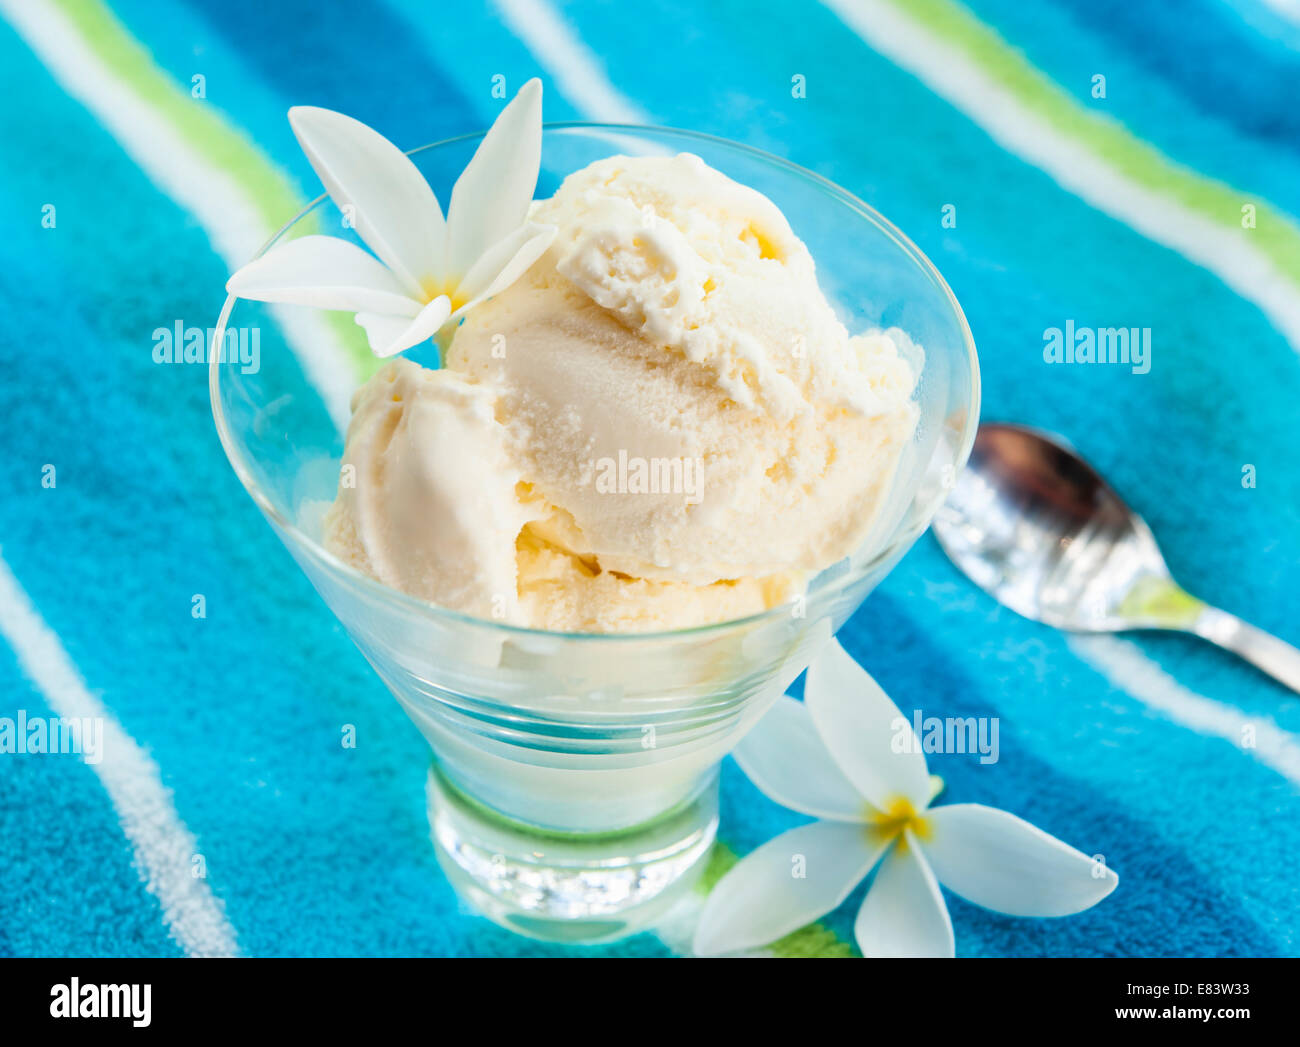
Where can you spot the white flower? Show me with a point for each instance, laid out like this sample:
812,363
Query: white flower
848,756
430,270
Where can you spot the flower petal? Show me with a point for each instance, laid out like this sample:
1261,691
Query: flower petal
393,209
381,330
389,336
870,740
326,272
762,898
504,262
1001,862
904,913
491,197
786,759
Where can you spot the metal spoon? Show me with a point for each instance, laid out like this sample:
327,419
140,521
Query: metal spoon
1037,528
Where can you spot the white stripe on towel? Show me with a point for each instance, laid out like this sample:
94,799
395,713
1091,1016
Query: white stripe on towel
1125,666
574,67
217,202
164,847
951,74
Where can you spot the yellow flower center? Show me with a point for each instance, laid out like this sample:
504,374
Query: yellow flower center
450,287
899,815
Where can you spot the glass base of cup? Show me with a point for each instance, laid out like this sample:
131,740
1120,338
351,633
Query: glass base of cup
574,888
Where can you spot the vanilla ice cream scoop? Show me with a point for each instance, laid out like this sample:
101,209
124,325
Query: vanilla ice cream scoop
662,423
427,498
710,269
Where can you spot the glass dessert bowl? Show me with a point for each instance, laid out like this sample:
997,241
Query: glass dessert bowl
573,789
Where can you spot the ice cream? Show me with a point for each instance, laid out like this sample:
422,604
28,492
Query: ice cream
662,423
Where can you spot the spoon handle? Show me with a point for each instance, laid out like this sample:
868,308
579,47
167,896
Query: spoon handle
1263,650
